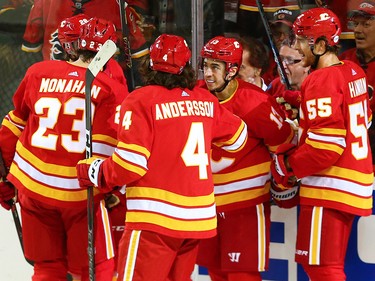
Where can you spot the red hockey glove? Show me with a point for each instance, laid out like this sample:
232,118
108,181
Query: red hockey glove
280,171
90,173
7,193
293,98
284,197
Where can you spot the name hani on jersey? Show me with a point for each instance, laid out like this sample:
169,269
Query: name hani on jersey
54,85
184,108
357,87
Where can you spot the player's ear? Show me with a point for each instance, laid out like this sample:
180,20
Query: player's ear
232,72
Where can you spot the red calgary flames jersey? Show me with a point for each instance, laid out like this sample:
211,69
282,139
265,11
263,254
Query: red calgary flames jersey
334,157
243,179
48,125
162,156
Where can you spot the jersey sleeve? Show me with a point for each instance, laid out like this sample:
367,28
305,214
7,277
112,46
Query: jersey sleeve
14,123
107,119
135,136
268,123
324,140
229,132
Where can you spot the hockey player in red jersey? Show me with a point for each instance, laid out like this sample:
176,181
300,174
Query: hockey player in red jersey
333,156
362,20
167,129
68,33
240,251
41,33
41,140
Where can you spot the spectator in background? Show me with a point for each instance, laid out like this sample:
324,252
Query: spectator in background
254,61
280,25
248,15
363,23
296,73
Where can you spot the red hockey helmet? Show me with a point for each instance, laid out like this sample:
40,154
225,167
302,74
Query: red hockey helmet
95,33
228,50
318,22
69,31
169,53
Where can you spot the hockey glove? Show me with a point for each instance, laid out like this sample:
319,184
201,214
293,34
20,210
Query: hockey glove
7,193
293,98
280,171
111,200
90,173
289,111
284,197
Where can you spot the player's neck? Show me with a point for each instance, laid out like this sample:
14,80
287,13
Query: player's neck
80,63
327,60
228,91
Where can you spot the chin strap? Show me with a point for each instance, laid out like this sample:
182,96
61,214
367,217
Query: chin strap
317,57
226,82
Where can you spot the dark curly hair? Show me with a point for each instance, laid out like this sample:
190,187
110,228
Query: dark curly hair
187,79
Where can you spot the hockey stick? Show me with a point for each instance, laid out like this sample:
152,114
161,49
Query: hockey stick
275,51
126,52
13,208
101,58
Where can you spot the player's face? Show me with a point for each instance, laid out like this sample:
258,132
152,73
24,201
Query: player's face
248,72
214,73
364,32
292,62
301,44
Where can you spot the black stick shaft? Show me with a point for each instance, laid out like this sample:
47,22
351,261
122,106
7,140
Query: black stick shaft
129,73
275,51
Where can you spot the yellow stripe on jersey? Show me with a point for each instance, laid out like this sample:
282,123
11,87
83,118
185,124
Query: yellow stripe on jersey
134,147
16,120
234,138
128,166
15,130
171,223
315,236
240,196
349,174
325,146
110,251
53,193
329,131
261,238
132,255
336,196
105,139
175,199
248,172
44,167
